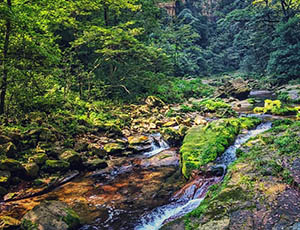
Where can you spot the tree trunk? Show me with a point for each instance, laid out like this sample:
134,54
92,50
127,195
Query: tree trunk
4,65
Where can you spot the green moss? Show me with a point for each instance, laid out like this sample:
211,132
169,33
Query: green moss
276,108
56,165
204,144
71,219
28,225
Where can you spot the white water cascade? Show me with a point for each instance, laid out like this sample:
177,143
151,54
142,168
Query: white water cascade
183,205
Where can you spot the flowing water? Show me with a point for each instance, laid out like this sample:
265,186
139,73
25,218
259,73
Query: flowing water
191,195
138,192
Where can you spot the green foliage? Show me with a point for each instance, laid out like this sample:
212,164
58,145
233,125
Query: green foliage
177,90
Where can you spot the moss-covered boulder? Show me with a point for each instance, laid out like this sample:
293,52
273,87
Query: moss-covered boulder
11,165
276,108
203,144
95,163
32,170
4,177
113,148
136,140
8,149
7,222
39,158
71,157
51,215
260,190
56,165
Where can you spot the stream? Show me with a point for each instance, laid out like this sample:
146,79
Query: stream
191,195
138,192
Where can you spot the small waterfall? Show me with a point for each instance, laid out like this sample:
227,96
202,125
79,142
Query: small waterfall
191,195
170,211
229,155
157,145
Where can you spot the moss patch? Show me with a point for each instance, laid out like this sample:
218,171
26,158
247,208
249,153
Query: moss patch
203,144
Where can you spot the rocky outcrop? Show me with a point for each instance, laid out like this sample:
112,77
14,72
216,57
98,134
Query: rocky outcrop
237,88
51,215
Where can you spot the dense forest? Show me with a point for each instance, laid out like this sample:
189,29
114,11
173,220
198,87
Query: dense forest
94,85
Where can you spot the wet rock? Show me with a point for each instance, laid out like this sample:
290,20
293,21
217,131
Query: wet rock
95,163
56,165
39,158
97,150
71,157
216,225
165,158
172,136
113,148
136,140
244,105
32,170
51,215
139,148
8,149
153,101
7,222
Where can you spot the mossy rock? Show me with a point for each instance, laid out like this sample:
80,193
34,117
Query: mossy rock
11,165
173,136
9,149
32,170
203,145
51,215
113,148
72,157
39,158
95,163
56,165
136,140
7,222
4,177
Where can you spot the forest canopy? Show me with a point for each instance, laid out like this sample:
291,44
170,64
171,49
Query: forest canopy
52,51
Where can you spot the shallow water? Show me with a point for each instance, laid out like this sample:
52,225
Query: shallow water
191,195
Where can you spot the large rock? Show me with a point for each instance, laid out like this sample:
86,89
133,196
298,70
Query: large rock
136,140
72,157
113,148
32,170
39,158
237,88
8,149
51,215
12,166
56,165
95,163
